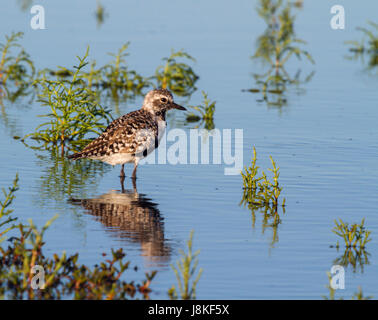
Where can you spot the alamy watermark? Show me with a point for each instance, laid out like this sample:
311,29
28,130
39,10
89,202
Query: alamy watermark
337,280
38,281
38,19
197,146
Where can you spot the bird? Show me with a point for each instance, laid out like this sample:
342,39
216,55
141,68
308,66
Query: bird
134,135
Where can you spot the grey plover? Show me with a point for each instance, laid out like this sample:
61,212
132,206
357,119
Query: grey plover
133,136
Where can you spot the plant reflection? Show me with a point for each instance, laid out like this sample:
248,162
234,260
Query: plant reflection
130,215
275,47
261,194
100,14
62,178
357,258
366,49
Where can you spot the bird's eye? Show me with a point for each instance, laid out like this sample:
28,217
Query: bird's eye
163,100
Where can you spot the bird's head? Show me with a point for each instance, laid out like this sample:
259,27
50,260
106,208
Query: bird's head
159,101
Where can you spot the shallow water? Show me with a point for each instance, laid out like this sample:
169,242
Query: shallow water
324,141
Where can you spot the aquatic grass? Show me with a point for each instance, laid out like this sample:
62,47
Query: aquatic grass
63,276
185,271
75,111
262,194
61,178
15,68
357,258
275,47
176,76
259,190
367,46
331,292
355,235
100,14
117,76
206,112
360,296
278,43
4,212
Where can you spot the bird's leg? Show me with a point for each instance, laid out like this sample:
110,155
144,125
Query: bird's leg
122,180
122,174
134,171
134,185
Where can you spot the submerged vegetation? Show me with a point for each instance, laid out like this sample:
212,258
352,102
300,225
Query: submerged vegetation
75,111
275,47
4,212
367,47
100,14
260,193
16,70
206,113
332,292
354,235
355,238
185,271
62,276
176,76
117,76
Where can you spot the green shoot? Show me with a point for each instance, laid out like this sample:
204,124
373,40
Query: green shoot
176,76
186,268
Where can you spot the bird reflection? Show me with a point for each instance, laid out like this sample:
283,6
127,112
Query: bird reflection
132,216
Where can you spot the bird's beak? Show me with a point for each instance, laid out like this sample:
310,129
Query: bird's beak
176,106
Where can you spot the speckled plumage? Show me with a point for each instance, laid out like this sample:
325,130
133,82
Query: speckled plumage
134,135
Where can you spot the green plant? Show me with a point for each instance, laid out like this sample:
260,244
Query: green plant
186,268
19,69
100,14
206,112
355,257
360,296
60,178
259,193
367,46
178,77
63,277
275,47
258,190
330,289
354,235
4,212
117,76
278,43
75,111
356,296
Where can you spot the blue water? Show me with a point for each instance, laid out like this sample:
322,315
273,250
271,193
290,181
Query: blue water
324,141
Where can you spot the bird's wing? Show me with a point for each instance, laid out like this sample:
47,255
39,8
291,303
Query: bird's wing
126,134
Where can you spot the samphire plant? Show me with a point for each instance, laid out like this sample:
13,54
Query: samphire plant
368,45
259,190
176,76
5,218
262,194
206,112
63,276
279,42
185,271
15,68
74,111
355,235
117,76
275,47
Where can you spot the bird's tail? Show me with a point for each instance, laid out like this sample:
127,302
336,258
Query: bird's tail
77,155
